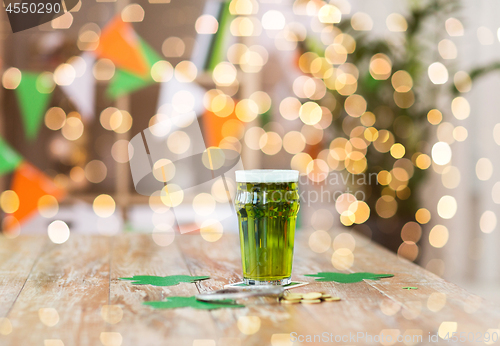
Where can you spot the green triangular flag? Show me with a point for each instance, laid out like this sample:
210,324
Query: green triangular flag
9,158
219,45
32,103
125,82
265,117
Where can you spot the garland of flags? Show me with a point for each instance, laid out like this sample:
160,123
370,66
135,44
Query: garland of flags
29,185
133,58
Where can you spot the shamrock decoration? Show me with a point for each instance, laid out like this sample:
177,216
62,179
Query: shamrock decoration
410,288
171,280
192,302
348,278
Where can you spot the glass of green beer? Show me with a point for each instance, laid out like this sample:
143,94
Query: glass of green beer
267,203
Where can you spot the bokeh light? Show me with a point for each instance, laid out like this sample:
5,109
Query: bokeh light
488,222
438,237
104,69
173,47
96,171
112,314
249,325
454,27
396,22
55,118
11,78
9,201
447,207
484,169
58,232
72,129
133,13
211,230
441,153
48,206
104,205
438,73
48,316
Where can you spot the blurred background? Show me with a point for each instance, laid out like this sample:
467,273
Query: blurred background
386,108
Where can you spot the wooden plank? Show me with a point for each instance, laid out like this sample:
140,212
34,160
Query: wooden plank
142,325
70,282
221,260
17,257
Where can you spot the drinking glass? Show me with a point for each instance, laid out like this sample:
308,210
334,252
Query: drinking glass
267,203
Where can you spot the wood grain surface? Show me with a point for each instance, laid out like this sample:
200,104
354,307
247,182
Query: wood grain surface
71,294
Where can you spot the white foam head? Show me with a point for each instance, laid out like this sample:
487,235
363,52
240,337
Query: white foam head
267,176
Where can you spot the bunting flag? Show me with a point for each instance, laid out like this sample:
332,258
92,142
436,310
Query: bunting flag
82,91
9,158
30,184
213,128
266,117
120,44
209,51
169,89
314,150
125,82
32,103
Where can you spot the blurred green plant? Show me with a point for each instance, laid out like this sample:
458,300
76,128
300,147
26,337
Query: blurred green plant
387,102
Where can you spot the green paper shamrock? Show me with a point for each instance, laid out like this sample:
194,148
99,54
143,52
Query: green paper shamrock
192,302
410,288
171,280
348,278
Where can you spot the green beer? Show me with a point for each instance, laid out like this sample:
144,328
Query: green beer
267,203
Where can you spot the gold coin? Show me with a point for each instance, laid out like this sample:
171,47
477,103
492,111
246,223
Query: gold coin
287,298
324,296
310,301
293,296
290,301
312,295
332,299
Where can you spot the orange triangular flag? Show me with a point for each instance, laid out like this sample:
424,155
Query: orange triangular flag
215,128
30,184
314,150
120,44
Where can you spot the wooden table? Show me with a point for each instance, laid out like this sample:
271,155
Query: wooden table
70,294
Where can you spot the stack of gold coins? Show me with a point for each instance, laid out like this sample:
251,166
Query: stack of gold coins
308,298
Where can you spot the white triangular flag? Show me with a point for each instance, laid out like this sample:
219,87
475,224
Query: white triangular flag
181,97
82,91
